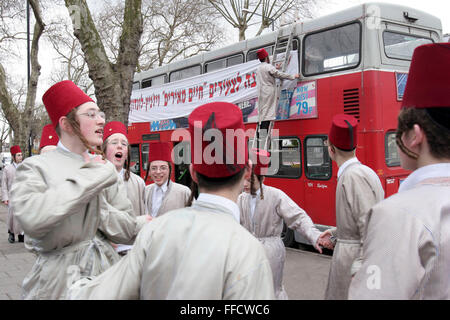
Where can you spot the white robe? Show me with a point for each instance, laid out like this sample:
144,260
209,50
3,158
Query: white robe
9,173
176,197
267,225
406,251
135,187
265,79
358,189
69,209
199,252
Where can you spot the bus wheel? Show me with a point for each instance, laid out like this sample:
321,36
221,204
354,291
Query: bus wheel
287,235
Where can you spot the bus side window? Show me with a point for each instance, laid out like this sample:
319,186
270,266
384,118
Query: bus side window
331,50
251,55
224,62
317,160
136,85
285,157
185,73
155,81
391,153
134,159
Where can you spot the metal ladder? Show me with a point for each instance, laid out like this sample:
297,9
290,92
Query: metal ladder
279,47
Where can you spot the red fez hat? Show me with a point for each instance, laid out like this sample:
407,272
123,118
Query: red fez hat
160,151
262,54
114,127
61,98
15,149
48,136
261,159
428,84
227,154
343,132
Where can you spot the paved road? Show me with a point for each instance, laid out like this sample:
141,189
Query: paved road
305,273
15,262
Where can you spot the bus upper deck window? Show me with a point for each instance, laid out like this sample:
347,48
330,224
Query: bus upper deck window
234,60
185,73
136,85
253,56
401,46
318,162
332,49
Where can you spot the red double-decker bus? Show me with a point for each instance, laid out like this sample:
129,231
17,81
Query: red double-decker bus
355,61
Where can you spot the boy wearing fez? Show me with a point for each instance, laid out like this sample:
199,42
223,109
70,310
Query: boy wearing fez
263,211
116,149
163,194
358,189
198,252
9,173
68,201
406,252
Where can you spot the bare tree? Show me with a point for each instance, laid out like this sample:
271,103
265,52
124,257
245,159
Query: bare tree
73,65
239,13
18,115
173,29
112,81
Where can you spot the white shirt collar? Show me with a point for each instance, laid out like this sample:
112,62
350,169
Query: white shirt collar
163,187
122,173
63,147
426,172
345,165
60,145
222,201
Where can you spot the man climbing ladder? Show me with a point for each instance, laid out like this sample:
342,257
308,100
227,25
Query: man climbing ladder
269,90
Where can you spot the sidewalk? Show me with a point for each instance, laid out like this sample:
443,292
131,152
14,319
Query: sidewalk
15,262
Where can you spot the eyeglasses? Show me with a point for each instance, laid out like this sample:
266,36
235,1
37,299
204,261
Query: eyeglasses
93,114
161,168
117,142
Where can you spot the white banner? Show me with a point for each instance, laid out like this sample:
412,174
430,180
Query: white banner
178,99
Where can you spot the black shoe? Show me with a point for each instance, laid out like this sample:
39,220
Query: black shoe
20,237
11,238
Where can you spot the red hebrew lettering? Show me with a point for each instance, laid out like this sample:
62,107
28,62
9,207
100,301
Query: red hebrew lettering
238,81
166,99
211,90
233,82
254,80
227,84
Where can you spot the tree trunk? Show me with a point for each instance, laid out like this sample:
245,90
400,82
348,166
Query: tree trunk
112,82
20,122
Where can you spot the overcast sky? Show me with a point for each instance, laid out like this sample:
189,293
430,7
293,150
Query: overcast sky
438,8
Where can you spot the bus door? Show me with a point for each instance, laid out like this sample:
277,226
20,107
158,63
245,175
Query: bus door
320,186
